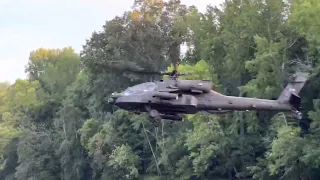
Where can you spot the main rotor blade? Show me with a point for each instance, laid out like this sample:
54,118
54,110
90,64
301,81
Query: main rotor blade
128,66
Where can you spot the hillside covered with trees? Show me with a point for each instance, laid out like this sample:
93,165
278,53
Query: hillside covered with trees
57,124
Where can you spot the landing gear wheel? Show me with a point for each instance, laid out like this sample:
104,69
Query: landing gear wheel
154,113
297,115
154,117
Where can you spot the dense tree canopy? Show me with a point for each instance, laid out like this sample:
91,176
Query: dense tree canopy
57,124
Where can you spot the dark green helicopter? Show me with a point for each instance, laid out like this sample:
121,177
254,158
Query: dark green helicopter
172,98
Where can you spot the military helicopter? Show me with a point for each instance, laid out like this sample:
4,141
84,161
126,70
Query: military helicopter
172,98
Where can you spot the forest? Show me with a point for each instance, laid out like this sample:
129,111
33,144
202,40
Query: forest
57,124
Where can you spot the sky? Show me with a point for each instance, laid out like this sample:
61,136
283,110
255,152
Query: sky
27,25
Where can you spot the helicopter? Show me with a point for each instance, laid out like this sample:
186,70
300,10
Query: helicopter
172,98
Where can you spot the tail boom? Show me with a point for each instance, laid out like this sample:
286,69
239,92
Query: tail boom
244,104
289,100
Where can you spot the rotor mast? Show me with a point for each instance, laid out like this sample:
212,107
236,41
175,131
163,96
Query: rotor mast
175,59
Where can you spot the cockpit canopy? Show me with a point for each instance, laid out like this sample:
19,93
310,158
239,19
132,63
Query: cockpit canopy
140,89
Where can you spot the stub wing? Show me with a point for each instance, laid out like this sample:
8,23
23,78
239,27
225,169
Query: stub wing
217,111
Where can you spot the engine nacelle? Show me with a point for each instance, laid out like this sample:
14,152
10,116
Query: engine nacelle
197,85
165,95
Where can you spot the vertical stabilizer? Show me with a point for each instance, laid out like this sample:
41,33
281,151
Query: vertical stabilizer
291,92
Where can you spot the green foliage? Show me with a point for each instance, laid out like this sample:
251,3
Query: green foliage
123,159
200,70
87,131
304,17
265,69
311,152
285,151
22,95
57,124
7,133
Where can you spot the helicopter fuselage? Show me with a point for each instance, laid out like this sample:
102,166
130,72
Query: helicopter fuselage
171,98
